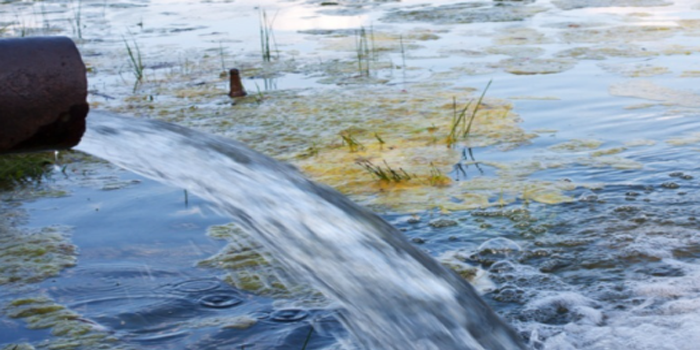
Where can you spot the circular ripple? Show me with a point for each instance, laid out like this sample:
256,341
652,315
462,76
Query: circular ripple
197,286
289,315
220,300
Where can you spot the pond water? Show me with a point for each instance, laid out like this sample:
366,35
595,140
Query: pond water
571,204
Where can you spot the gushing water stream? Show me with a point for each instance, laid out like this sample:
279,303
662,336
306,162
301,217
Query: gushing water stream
391,295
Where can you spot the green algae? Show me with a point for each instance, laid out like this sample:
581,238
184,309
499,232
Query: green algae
687,139
640,142
690,74
577,145
522,52
536,65
70,331
608,151
232,322
624,33
616,162
521,36
247,264
635,70
602,52
32,256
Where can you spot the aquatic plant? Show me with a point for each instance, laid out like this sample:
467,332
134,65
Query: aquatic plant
351,142
21,168
460,126
385,173
135,62
308,337
437,178
267,37
77,19
380,140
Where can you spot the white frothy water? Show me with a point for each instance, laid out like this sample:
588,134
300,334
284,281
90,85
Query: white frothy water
392,295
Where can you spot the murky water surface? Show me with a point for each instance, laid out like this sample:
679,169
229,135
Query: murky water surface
571,205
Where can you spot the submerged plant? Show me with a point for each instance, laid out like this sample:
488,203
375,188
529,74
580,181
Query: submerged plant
385,173
460,127
365,50
135,62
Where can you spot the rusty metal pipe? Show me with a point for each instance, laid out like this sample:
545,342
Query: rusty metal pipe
43,94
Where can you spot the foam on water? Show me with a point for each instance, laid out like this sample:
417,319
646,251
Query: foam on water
391,295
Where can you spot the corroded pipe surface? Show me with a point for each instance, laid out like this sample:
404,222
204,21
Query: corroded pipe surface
43,94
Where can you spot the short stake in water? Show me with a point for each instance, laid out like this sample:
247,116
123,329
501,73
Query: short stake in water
236,87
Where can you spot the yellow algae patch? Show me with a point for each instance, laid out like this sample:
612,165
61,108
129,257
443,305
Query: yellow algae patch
577,145
609,151
648,90
401,133
635,70
684,140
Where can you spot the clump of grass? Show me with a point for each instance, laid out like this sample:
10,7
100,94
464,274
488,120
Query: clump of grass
365,50
24,168
437,178
135,62
267,37
384,173
351,142
460,126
